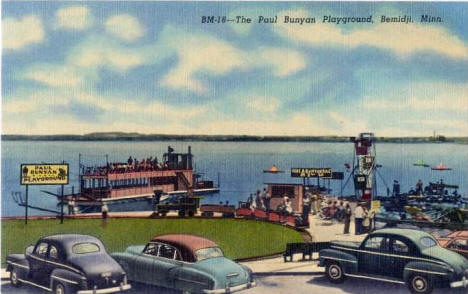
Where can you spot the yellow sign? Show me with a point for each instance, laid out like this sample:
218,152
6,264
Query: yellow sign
375,205
44,174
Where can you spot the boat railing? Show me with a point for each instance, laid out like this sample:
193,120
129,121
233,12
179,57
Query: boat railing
121,168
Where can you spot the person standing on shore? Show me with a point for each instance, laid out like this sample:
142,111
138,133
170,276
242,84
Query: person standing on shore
347,218
358,217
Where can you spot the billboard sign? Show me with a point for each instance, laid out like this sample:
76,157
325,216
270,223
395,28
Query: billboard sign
299,172
44,174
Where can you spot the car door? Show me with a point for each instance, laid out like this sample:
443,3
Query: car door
144,270
37,262
401,250
371,258
53,259
164,265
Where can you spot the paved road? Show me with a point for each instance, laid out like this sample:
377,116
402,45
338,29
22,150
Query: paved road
278,284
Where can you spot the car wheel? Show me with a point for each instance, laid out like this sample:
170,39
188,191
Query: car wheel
420,284
334,272
14,278
181,213
191,213
60,288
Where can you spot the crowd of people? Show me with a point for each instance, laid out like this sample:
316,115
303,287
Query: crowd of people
314,203
132,164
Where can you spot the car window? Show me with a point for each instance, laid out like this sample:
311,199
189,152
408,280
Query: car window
428,242
399,246
206,253
379,243
460,244
41,249
53,252
151,249
85,248
169,252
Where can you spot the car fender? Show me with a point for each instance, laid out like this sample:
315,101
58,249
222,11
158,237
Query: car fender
66,277
192,280
348,261
20,263
436,272
125,260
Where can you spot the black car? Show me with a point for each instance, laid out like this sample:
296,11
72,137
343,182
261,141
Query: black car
403,256
68,263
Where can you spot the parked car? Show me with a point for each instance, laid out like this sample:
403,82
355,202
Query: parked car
456,241
185,262
67,263
396,255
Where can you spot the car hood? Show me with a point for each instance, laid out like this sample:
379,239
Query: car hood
455,260
224,269
96,264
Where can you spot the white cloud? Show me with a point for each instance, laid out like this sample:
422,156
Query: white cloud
263,104
18,33
402,39
98,52
284,61
55,76
74,17
125,27
204,53
200,53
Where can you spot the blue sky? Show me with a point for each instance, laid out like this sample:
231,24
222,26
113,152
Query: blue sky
153,67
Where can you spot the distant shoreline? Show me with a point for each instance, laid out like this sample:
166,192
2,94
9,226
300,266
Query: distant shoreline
224,138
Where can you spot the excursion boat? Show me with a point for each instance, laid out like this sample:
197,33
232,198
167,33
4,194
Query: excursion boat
131,185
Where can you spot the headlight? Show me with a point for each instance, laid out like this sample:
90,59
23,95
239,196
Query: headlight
106,274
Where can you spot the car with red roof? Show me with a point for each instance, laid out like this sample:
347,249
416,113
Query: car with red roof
188,263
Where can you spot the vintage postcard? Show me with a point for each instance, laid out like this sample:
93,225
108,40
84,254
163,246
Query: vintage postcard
221,147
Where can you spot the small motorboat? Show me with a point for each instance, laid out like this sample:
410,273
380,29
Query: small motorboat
441,167
273,170
421,163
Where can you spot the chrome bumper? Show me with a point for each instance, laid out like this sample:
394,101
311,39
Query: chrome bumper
107,290
462,283
231,289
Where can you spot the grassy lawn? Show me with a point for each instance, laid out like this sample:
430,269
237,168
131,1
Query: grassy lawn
238,238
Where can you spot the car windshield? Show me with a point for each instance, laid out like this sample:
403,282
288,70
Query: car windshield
205,253
428,242
84,248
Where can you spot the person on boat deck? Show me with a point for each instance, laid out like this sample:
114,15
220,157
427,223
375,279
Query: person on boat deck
130,160
155,162
396,188
419,187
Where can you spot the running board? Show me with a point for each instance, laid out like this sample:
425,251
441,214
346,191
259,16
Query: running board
377,278
34,284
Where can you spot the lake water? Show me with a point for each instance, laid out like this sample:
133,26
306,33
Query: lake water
239,165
